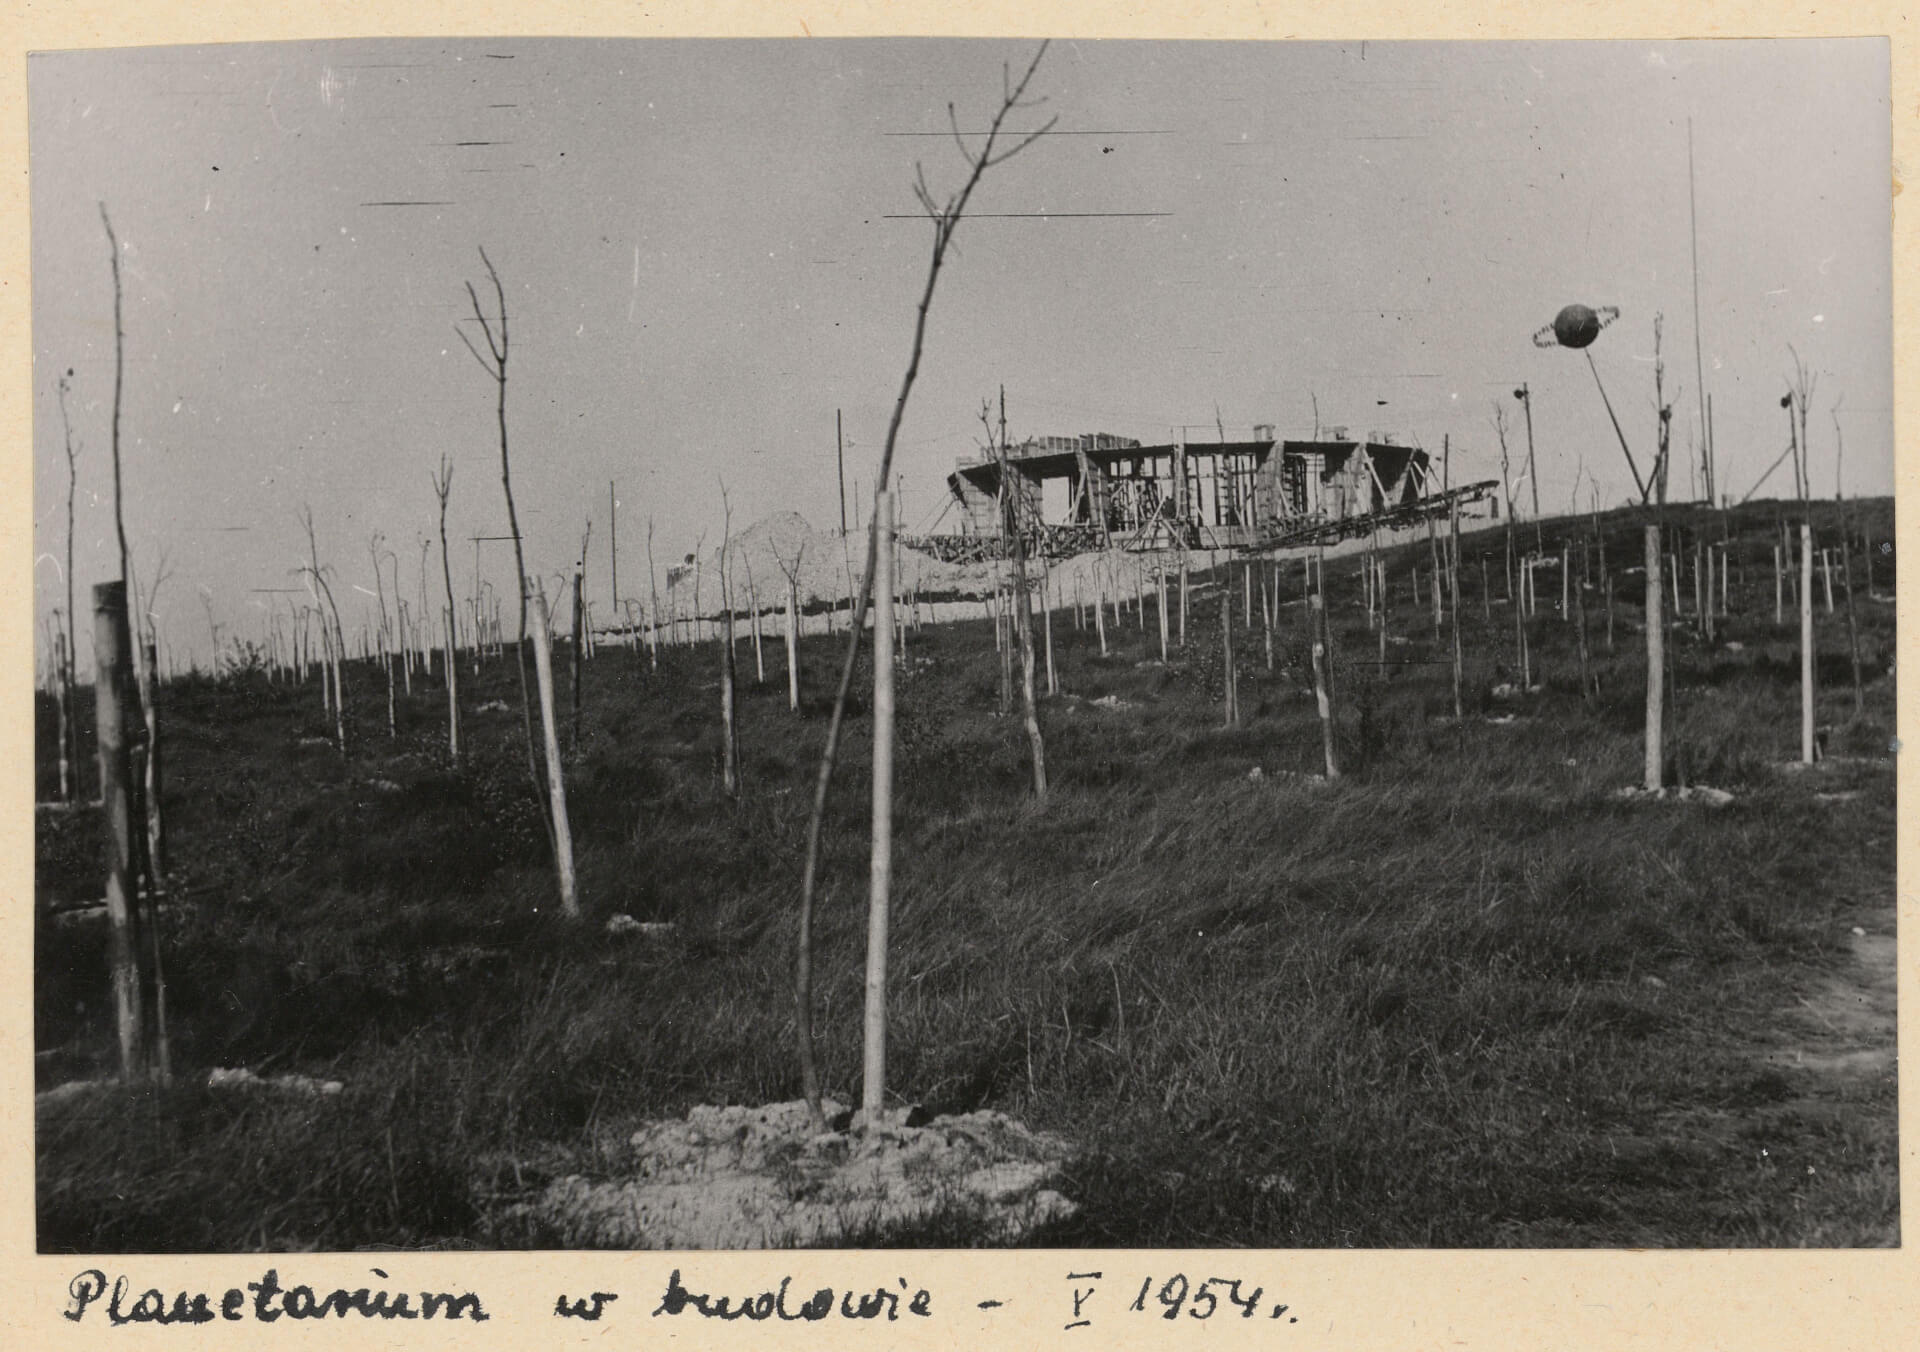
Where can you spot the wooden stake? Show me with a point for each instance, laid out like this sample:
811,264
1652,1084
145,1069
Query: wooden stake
1853,633
793,644
556,778
1323,673
125,915
1453,584
1656,668
880,873
1160,587
1808,751
1226,640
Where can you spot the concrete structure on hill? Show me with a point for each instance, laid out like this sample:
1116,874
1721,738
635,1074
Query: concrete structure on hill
1097,490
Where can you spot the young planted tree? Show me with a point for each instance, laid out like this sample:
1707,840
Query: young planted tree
1014,528
139,983
69,729
335,638
729,729
442,486
556,780
789,555
493,331
945,218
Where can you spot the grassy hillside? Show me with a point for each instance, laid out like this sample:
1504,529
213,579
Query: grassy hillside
1462,996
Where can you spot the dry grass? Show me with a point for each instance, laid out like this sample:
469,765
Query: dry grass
1416,1007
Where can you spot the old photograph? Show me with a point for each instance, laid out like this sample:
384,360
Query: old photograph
720,644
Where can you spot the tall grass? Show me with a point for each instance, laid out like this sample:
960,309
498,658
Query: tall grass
1462,996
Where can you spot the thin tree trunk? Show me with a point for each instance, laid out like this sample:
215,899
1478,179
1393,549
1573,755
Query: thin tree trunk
125,918
1656,678
1322,672
1853,632
556,779
1808,749
793,644
1453,584
880,869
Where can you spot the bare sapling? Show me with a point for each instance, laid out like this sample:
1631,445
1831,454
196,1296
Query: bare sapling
753,604
788,558
334,637
1808,750
134,940
578,628
945,218
69,728
1160,589
1853,632
729,729
1453,586
1323,669
1226,642
1046,620
1014,527
442,486
880,869
556,779
653,615
1655,750
493,331
1267,600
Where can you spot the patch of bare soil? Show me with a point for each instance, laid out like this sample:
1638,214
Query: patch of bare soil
1846,1018
761,1178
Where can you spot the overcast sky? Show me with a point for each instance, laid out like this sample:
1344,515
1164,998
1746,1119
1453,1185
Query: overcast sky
702,262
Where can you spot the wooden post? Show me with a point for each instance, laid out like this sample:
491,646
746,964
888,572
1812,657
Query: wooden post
453,690
1322,671
793,644
1046,622
1183,592
1808,751
1853,633
156,821
1580,626
1656,668
1566,580
1100,610
880,874
556,777
579,655
1267,604
125,914
1160,587
1826,577
1453,584
759,656
63,699
1779,589
1226,640
729,729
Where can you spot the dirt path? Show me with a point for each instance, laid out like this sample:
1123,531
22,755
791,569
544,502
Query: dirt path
1845,1021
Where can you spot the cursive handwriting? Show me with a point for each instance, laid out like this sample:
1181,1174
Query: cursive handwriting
774,1304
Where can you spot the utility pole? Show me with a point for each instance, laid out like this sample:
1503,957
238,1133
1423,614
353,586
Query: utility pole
613,547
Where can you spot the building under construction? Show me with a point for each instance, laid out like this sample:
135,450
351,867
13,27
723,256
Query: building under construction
1097,491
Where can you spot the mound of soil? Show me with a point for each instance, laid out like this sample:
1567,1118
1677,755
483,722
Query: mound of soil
761,1178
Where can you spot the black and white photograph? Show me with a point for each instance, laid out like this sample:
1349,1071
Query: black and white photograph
934,643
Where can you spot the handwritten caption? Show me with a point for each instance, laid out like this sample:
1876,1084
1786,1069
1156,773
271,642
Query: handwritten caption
92,1296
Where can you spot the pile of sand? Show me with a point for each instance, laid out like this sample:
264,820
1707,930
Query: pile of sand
759,1178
